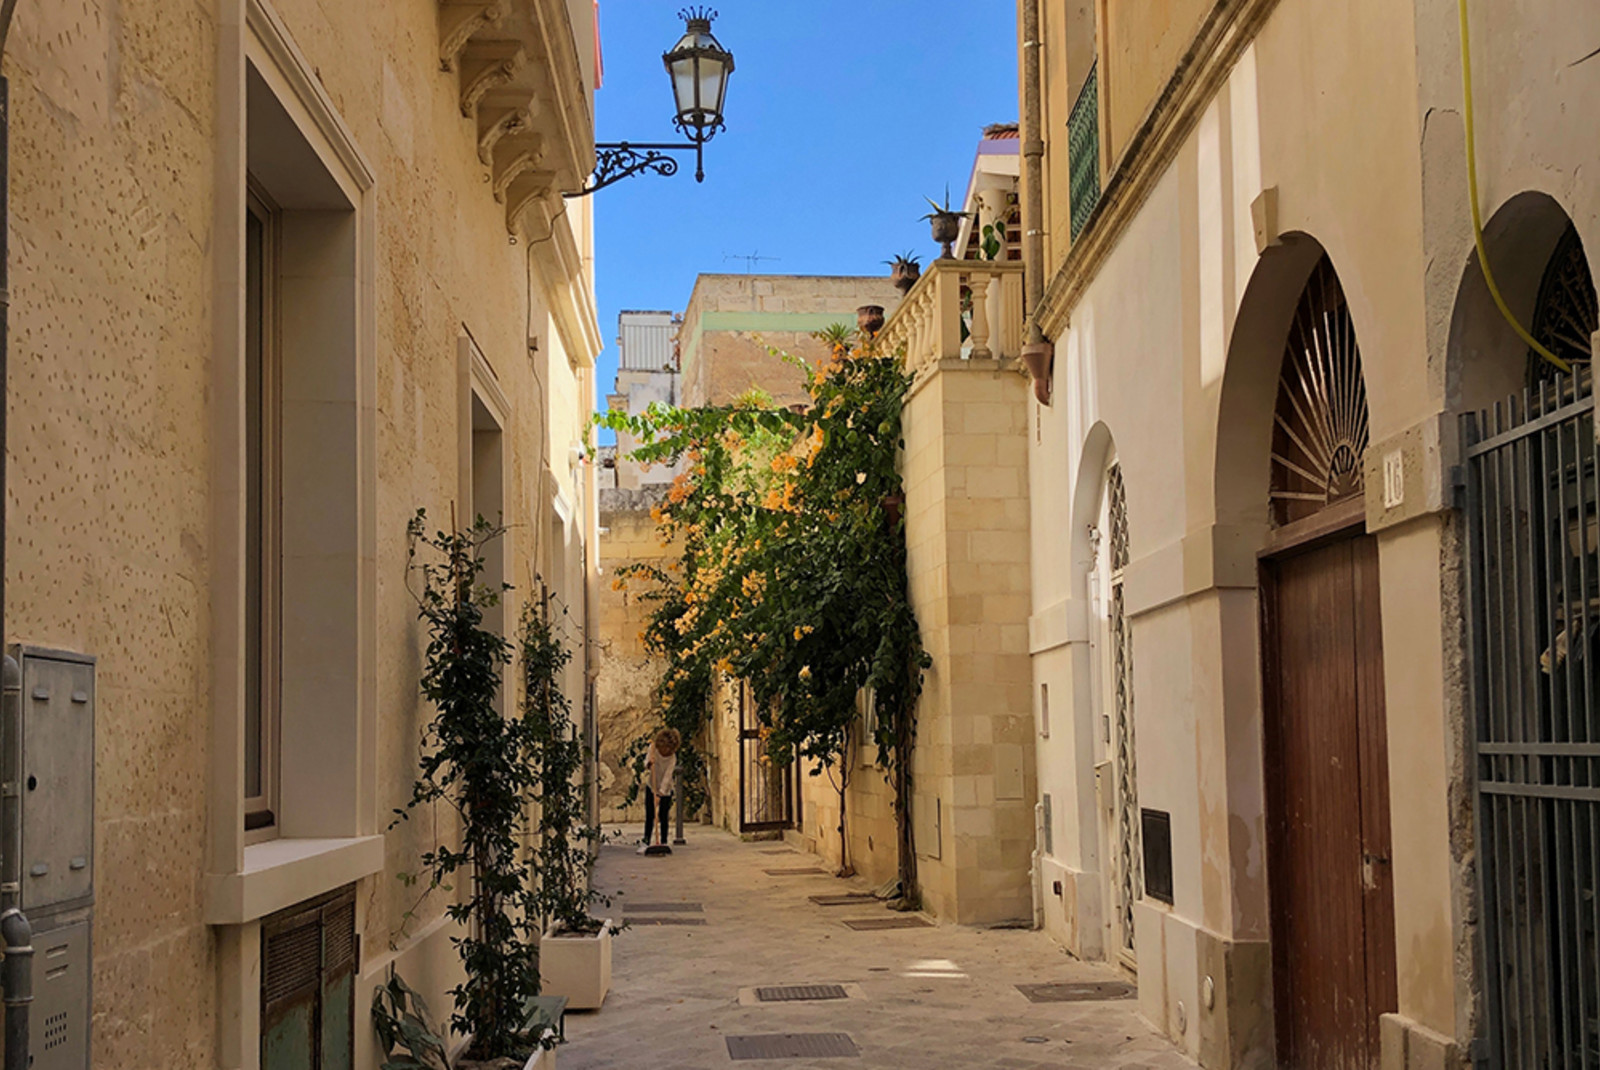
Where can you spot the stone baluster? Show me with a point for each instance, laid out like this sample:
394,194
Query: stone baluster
947,311
980,315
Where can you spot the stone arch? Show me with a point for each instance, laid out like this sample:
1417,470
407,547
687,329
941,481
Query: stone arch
1242,482
1102,698
1488,361
1242,473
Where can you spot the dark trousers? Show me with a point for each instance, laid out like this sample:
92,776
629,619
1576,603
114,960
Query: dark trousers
656,808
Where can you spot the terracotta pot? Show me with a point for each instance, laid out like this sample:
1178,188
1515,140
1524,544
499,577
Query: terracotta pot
905,276
1037,358
892,505
946,229
869,319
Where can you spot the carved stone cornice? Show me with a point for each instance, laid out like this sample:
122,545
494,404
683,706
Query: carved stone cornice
487,65
1221,39
459,20
503,119
520,79
518,158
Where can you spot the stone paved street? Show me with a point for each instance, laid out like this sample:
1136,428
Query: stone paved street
928,998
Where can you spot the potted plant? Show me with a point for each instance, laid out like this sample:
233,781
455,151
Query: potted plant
904,271
479,763
575,952
869,319
946,223
408,1039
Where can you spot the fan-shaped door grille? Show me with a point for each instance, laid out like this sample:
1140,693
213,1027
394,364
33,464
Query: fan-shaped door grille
1319,434
1568,314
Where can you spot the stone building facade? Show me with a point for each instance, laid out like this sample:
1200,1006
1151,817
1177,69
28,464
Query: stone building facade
244,353
1260,672
733,322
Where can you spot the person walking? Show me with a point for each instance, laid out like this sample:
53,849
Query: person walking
661,766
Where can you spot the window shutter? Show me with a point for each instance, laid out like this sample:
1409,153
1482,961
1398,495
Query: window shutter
308,964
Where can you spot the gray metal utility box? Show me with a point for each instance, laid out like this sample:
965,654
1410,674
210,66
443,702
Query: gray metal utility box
47,842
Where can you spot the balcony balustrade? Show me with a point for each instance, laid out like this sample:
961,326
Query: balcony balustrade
959,310
1083,151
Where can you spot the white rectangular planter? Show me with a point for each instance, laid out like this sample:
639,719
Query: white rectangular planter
578,967
544,1060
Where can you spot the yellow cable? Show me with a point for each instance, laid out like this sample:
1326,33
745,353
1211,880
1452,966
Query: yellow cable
1477,218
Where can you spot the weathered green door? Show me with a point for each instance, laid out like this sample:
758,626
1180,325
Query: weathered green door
308,964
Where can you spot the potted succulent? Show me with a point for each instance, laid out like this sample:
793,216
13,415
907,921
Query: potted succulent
946,223
904,271
575,952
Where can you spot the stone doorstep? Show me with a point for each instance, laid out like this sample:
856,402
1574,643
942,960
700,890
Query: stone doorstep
747,996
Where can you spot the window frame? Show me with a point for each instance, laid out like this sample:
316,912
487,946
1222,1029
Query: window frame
265,514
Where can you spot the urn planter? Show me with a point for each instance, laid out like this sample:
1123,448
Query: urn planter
578,966
946,229
905,275
869,319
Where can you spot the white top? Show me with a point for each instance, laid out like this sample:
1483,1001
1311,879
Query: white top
662,767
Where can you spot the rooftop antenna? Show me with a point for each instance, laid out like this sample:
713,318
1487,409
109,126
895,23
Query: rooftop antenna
750,259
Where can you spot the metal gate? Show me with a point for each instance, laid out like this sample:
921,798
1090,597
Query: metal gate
1130,884
1534,587
766,789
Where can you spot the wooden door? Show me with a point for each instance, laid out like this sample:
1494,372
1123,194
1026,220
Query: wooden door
1328,805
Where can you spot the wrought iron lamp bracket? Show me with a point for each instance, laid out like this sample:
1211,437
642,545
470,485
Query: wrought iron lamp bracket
615,161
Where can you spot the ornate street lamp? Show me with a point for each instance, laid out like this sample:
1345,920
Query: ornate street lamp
699,67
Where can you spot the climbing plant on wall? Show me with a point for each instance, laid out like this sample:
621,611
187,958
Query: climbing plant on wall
792,574
480,762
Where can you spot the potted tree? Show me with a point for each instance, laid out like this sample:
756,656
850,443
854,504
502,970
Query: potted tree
575,952
479,763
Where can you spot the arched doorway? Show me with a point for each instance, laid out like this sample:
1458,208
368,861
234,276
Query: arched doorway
1116,752
1325,744
1565,315
1533,584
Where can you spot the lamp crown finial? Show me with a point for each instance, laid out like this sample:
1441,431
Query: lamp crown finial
698,18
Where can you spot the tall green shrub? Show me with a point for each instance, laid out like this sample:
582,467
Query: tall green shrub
565,838
480,762
793,573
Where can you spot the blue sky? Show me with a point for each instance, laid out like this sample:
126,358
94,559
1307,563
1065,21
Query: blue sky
841,117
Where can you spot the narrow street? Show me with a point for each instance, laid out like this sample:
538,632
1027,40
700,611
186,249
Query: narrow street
926,997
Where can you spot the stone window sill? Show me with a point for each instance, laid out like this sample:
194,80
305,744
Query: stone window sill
280,873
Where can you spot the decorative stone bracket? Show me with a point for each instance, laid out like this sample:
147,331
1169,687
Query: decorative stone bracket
520,80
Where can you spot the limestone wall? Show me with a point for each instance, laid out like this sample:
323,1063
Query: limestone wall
127,118
733,320
1350,118
628,675
966,474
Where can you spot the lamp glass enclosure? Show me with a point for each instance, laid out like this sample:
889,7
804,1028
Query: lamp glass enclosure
699,67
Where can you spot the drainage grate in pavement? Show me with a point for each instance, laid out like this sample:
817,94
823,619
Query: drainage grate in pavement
781,851
800,993
849,899
792,1046
1079,992
662,908
796,872
669,920
903,921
